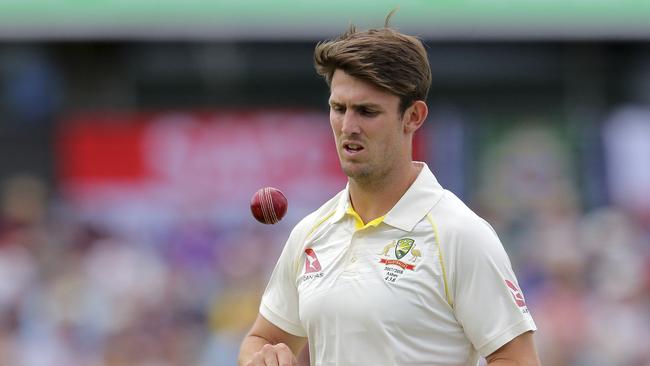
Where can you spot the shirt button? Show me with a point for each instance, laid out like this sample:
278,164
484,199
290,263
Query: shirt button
353,259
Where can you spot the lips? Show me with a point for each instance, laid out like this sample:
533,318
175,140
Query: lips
352,147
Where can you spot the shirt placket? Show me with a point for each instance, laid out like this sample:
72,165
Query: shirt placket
352,257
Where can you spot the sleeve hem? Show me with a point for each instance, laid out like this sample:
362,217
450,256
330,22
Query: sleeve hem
506,336
281,322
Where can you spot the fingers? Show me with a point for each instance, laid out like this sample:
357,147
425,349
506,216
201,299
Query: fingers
286,358
274,355
270,358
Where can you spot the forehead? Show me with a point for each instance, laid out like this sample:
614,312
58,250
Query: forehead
349,89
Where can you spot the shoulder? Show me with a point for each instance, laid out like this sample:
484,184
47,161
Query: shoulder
462,227
310,223
305,228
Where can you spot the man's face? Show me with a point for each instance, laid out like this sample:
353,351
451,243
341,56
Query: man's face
367,127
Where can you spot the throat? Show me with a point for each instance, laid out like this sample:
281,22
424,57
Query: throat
371,202
375,197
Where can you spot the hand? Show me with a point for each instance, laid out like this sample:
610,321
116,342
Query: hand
273,355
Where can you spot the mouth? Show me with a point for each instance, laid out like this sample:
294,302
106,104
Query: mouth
352,147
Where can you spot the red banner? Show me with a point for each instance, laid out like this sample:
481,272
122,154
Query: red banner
398,263
197,159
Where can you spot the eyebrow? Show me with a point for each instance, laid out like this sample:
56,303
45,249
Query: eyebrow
358,105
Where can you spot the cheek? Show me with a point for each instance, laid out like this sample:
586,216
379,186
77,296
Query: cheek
335,123
390,141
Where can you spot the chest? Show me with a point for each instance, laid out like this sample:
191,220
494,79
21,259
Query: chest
362,277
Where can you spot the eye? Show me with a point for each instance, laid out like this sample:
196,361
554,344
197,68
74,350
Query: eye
368,112
337,108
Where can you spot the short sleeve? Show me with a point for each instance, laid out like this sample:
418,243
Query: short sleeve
488,302
280,300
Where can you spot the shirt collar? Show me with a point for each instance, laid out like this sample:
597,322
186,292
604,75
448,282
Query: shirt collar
416,202
343,204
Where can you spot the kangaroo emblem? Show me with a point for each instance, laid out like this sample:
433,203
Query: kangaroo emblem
416,254
387,248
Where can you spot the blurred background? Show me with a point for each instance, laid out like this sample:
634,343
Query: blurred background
133,134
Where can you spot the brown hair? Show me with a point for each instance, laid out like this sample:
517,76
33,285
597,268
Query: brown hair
384,57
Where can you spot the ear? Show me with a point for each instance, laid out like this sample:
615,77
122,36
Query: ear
414,116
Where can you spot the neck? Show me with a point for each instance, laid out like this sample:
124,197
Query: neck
372,199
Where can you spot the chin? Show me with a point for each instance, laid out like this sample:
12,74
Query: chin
355,171
349,169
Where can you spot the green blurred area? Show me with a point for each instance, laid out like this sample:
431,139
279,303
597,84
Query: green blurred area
263,18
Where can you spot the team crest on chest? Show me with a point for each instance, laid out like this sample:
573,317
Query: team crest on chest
403,247
399,256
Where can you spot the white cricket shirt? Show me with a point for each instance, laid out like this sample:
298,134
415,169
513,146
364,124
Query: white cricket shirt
429,283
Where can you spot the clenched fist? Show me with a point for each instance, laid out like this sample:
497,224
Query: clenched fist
273,355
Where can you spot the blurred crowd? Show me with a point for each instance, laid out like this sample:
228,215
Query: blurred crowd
586,272
77,293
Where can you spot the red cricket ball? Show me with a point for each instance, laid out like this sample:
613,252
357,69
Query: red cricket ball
269,205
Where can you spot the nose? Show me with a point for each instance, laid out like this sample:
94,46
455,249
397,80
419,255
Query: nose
350,125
